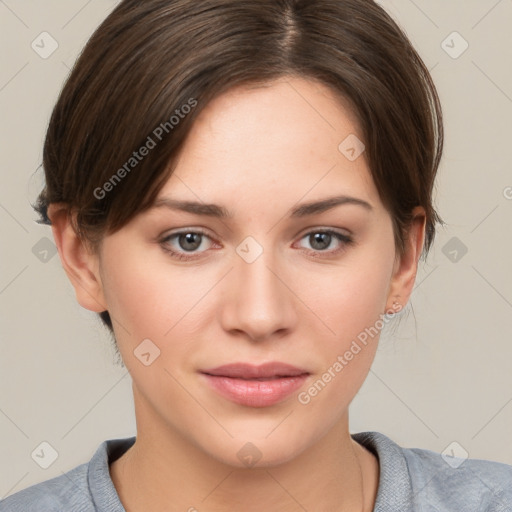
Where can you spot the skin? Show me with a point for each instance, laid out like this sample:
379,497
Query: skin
258,152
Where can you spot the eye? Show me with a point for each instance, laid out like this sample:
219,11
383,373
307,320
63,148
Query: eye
320,240
184,242
184,245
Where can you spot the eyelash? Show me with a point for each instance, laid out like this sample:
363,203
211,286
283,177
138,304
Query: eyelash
344,239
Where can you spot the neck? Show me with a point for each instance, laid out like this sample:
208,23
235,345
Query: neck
163,468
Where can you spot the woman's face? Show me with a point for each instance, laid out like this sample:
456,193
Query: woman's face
260,285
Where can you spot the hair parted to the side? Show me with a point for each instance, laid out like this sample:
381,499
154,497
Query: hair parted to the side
151,58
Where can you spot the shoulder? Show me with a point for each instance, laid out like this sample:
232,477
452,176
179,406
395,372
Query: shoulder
68,491
452,483
85,488
415,479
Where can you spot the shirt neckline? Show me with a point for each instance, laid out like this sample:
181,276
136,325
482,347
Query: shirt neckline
103,492
394,490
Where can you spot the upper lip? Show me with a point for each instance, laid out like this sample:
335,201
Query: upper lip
251,371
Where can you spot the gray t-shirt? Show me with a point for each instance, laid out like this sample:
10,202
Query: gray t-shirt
411,479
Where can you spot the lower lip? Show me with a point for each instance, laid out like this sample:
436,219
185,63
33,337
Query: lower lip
255,393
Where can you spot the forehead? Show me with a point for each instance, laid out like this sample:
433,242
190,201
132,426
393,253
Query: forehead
286,111
279,140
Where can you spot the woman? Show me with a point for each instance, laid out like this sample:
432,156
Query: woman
242,191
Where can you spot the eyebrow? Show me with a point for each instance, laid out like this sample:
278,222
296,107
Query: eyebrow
217,211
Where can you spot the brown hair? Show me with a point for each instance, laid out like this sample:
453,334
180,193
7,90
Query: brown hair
152,66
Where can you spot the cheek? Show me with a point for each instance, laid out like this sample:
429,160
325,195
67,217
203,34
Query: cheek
147,303
135,297
352,307
350,302
350,298
150,300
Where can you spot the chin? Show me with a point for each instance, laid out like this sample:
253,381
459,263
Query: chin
254,453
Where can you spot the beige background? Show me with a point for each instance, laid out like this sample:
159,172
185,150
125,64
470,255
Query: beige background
444,375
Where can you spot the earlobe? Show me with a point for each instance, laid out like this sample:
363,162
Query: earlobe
79,262
405,269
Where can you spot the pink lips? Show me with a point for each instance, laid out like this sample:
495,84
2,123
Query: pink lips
255,386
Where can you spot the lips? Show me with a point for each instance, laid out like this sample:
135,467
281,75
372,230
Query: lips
263,372
255,386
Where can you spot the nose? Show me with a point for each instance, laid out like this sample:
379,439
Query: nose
259,301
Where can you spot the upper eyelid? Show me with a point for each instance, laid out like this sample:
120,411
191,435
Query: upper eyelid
307,231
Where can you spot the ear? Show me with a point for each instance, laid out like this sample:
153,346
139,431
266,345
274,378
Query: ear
406,267
80,263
